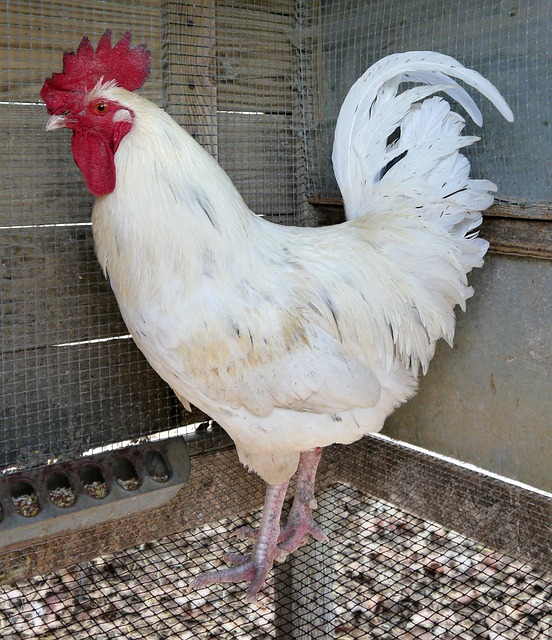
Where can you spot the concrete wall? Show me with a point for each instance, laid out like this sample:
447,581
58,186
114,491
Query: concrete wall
488,401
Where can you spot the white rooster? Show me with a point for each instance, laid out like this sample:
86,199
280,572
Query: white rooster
291,338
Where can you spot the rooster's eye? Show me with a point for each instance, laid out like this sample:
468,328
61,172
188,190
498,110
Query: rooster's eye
100,108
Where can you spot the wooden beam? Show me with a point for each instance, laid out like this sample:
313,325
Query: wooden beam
522,211
190,53
518,236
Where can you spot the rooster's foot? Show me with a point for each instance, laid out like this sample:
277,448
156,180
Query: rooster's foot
300,523
294,534
297,532
273,544
255,568
247,569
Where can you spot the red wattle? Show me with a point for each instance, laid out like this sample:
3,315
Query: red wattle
95,158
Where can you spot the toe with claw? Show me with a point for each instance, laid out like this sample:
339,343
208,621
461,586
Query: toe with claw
272,543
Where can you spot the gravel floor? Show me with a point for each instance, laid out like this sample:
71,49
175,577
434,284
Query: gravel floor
393,576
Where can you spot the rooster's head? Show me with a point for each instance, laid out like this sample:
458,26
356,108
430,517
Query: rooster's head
74,101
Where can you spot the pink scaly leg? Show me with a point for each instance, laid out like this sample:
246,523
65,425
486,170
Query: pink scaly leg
300,523
254,568
271,542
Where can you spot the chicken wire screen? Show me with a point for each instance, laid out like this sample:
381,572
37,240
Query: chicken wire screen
71,376
383,574
508,43
259,84
473,404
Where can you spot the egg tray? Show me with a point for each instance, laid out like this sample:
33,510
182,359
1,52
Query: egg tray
94,489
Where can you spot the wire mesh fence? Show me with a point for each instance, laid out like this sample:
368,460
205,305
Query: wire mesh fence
71,377
509,44
384,574
259,83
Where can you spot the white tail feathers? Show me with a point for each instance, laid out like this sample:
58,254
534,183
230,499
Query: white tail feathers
377,170
398,164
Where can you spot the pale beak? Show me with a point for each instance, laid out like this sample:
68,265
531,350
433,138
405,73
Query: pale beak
55,122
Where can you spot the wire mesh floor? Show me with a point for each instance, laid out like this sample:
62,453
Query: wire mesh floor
392,575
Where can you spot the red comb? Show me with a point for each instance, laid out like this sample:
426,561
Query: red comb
83,69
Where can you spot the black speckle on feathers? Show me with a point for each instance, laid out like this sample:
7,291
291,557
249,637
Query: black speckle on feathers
206,206
334,313
392,163
449,195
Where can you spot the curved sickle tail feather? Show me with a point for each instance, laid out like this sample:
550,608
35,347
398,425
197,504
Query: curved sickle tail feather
398,164
408,143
